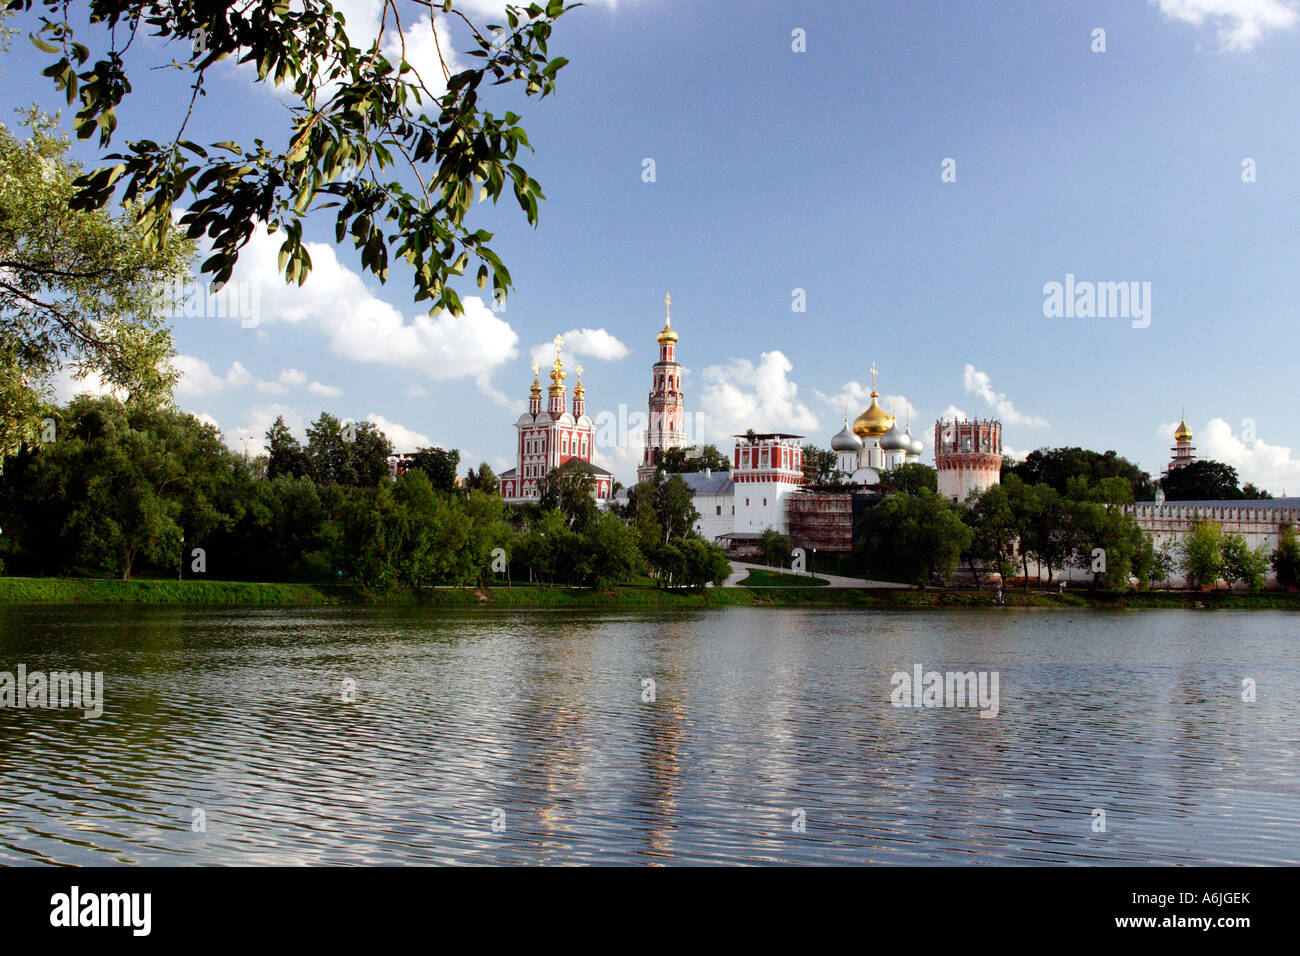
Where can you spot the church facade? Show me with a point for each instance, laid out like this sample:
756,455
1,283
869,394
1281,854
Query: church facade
554,437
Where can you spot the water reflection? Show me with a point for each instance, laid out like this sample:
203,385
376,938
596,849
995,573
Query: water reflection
537,720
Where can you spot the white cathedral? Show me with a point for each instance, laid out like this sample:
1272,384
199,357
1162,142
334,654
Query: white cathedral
874,443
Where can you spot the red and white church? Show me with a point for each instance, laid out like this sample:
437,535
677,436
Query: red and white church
553,438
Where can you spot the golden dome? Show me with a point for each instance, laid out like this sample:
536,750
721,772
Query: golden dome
1182,433
874,422
667,334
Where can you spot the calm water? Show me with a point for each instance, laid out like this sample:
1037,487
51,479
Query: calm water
758,713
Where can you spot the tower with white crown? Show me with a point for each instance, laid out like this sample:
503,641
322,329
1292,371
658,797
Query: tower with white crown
968,456
554,437
667,425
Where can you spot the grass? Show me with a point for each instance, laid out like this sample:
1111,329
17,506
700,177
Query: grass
770,579
16,591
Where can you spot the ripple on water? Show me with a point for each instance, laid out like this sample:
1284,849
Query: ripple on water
761,718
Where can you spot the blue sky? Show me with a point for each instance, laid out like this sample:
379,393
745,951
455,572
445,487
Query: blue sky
778,170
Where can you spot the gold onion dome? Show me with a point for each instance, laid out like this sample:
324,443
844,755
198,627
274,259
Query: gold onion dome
874,422
1182,432
667,334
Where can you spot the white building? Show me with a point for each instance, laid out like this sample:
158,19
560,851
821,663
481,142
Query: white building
714,499
765,468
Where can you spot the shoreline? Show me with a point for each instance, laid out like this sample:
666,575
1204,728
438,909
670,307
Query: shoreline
16,592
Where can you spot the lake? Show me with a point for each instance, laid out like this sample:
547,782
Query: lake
410,735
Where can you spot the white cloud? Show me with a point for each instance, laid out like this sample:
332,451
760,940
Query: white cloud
1271,467
198,379
741,395
1240,23
593,343
324,391
404,439
978,383
421,51
335,302
251,433
517,405
415,391
67,385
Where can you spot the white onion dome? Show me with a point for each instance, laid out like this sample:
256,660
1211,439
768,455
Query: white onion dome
915,445
894,440
846,440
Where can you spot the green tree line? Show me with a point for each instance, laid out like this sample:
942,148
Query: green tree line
128,488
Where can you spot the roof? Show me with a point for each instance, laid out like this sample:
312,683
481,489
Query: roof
1266,504
507,474
741,535
763,436
577,464
718,483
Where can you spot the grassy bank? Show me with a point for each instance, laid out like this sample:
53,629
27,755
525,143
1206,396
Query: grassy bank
240,593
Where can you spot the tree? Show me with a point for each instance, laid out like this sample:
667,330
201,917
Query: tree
1241,564
568,488
820,465
347,454
359,112
918,539
663,507
1042,521
910,478
775,548
548,547
1202,554
1203,480
483,479
693,459
994,529
1108,541
77,288
285,456
607,552
1056,466
372,538
1163,564
439,464
120,486
689,562
1250,492
1286,558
